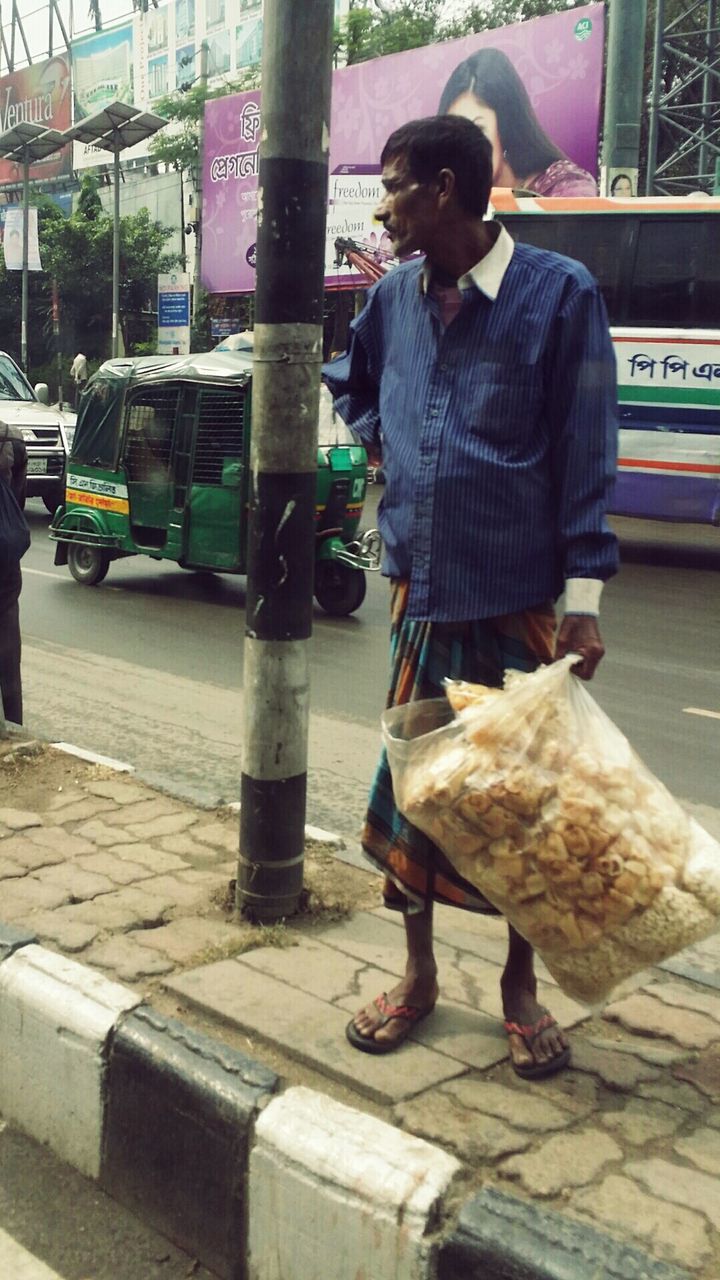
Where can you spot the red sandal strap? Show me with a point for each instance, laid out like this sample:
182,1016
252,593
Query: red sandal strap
531,1031
407,1011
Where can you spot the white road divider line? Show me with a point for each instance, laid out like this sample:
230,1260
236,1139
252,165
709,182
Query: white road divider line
17,1263
43,573
699,711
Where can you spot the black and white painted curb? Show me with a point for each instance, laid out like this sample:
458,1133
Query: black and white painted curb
258,1184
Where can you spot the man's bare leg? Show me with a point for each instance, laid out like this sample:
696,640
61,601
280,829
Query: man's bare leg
519,993
418,989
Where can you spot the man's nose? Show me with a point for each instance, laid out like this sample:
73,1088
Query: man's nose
381,212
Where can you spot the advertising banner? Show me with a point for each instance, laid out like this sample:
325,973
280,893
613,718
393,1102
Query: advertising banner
174,314
103,72
547,72
39,94
13,240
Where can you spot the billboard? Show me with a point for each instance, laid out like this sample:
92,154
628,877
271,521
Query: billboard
39,94
558,61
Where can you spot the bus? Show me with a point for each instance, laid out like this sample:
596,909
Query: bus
657,261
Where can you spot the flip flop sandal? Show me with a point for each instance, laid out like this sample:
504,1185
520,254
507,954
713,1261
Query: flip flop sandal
530,1033
410,1014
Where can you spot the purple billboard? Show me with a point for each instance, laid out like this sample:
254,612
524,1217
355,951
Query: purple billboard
534,89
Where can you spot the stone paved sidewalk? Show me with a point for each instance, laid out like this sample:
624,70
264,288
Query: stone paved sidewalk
132,882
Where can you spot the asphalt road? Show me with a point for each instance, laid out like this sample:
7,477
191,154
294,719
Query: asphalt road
57,1225
148,668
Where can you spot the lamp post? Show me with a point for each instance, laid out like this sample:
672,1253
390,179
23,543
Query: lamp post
25,144
114,129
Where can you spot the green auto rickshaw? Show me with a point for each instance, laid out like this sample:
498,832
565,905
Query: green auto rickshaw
159,467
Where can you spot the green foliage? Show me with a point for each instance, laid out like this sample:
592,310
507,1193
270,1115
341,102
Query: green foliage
371,31
368,33
77,253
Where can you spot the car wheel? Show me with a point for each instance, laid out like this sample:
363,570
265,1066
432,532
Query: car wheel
339,589
87,565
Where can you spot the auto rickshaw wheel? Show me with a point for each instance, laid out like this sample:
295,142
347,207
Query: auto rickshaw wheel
53,499
339,589
88,565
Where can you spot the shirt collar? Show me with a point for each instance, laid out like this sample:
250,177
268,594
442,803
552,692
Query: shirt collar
487,274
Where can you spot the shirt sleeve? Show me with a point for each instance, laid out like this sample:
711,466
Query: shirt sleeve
354,380
582,408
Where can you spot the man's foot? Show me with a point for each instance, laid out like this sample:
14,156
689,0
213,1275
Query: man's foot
537,1045
386,1023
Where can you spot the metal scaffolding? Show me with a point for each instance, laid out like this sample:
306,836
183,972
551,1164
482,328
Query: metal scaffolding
684,123
57,38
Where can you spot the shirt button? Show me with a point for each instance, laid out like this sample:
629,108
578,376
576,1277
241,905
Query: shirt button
434,413
443,368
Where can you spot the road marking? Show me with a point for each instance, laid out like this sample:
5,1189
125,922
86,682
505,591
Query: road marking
698,711
43,573
21,1265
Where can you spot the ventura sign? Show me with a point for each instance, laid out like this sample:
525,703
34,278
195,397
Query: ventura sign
38,94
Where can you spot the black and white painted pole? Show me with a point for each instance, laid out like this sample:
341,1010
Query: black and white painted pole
292,192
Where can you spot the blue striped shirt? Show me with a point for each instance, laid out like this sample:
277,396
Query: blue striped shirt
498,434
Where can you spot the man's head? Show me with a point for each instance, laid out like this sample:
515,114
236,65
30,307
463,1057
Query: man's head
436,172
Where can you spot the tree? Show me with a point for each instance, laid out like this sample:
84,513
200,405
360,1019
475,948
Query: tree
77,252
373,31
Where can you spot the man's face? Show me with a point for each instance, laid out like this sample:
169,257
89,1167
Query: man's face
408,209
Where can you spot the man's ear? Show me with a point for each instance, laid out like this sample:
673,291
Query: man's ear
446,185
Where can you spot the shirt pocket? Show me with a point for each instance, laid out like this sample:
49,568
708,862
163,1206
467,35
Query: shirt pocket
504,400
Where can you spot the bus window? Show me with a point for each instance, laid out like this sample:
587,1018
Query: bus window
604,247
669,259
707,285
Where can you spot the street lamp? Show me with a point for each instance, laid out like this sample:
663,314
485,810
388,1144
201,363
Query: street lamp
25,144
114,129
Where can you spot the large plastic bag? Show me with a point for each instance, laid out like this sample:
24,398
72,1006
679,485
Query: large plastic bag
538,800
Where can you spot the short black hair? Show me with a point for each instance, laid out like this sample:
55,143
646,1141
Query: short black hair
446,142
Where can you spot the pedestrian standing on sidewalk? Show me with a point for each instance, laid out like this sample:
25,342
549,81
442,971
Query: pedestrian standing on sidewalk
14,539
485,375
79,375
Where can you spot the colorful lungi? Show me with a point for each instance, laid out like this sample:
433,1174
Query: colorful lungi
423,654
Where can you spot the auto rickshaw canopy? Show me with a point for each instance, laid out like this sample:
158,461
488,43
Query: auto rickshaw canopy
100,417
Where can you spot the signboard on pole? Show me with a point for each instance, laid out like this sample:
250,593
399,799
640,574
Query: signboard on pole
13,240
174,314
549,71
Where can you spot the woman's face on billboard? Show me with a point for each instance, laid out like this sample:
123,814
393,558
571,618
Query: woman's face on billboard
485,118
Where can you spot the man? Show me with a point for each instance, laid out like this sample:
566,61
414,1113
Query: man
79,375
485,378
13,470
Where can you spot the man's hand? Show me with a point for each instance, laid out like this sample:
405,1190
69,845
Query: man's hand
579,633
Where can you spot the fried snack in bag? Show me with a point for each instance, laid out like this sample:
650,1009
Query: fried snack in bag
538,800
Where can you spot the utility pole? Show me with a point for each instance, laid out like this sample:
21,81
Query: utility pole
116,257
25,255
292,195
56,335
623,91
197,280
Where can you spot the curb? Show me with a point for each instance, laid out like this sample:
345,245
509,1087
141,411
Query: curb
258,1184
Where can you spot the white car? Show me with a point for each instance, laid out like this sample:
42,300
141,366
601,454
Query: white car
237,342
47,431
